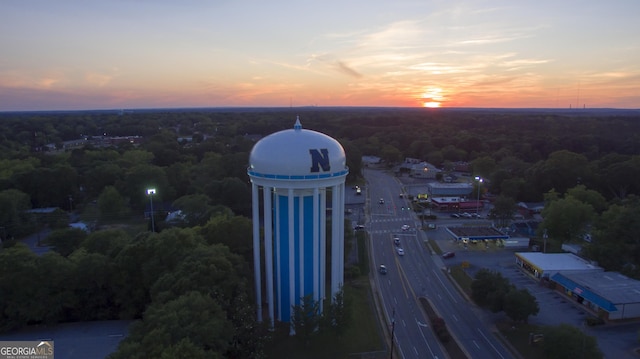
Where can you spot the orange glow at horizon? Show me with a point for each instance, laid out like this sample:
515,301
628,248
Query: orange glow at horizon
432,97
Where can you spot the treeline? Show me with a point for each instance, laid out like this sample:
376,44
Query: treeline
583,166
192,291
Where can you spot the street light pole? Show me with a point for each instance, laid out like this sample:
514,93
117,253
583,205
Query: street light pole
393,329
151,192
479,180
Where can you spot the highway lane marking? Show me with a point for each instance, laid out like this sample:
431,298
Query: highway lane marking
454,317
403,277
425,339
443,286
476,344
487,339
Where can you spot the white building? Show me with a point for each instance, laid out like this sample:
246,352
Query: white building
294,174
545,265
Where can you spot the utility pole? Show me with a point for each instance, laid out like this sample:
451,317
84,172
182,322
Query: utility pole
393,327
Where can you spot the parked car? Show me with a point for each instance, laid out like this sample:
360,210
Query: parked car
455,215
400,251
446,255
382,269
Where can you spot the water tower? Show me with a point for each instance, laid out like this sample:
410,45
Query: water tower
295,173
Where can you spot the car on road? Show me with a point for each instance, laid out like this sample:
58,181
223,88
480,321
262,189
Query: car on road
381,201
431,226
447,255
405,227
455,215
382,269
359,227
400,251
396,240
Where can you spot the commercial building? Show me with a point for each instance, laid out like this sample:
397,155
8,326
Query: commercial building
610,295
545,265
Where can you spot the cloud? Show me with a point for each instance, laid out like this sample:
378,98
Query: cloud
98,79
345,69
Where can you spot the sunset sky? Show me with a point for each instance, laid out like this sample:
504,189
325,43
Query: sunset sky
126,54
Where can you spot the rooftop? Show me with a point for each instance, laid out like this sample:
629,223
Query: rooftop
613,286
557,261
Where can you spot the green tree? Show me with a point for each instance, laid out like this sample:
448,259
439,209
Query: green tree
619,177
231,192
520,304
589,196
18,287
195,208
390,154
483,166
504,208
106,242
93,286
65,241
236,232
337,313
14,220
194,316
615,245
562,170
56,289
566,341
566,219
306,318
111,204
141,177
489,288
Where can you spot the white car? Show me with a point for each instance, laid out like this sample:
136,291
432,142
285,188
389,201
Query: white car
405,227
400,251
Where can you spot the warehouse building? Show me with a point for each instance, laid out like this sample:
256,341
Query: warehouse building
610,295
545,265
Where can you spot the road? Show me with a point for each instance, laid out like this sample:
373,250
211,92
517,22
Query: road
418,273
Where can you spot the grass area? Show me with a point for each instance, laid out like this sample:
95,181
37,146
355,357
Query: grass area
361,336
435,247
462,278
518,336
515,334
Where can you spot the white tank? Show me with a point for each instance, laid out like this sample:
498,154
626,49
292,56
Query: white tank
296,175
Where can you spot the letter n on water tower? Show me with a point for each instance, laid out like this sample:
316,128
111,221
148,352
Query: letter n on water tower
319,158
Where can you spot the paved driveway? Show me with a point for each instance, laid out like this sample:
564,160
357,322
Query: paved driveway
615,340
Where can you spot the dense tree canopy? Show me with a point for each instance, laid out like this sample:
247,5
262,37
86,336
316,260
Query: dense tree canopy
181,280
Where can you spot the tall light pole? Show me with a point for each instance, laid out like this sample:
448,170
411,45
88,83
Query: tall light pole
393,329
150,193
479,180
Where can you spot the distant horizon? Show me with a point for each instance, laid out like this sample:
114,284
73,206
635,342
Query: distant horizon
283,108
59,56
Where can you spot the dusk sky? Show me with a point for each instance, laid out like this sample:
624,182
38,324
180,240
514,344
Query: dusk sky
127,54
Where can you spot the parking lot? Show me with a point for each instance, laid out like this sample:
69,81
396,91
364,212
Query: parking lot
615,340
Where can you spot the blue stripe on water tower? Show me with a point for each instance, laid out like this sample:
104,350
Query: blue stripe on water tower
287,239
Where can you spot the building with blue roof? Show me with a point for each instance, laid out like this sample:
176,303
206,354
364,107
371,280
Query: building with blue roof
610,295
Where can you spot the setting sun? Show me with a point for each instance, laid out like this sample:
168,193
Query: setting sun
432,97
